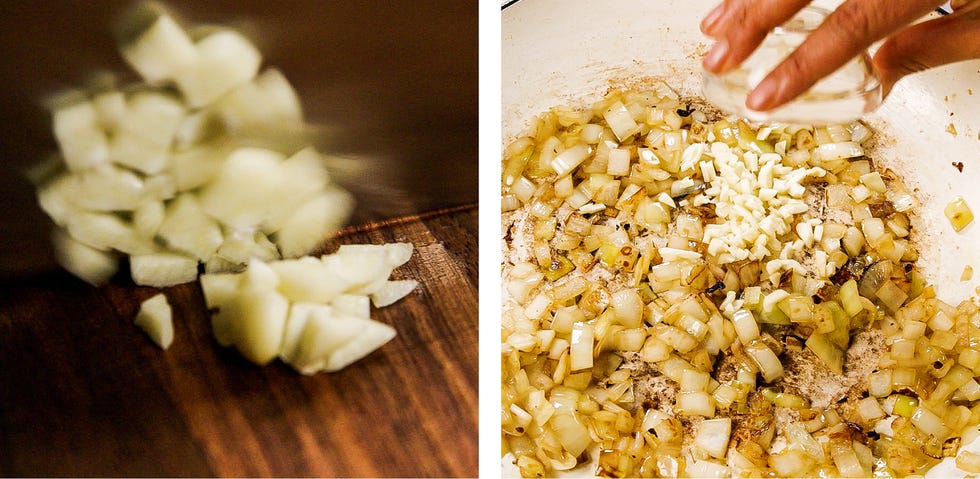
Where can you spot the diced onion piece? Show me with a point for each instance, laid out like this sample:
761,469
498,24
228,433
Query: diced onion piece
692,380
873,228
580,354
846,460
970,391
673,367
782,399
870,410
849,297
968,461
161,50
797,434
905,406
702,468
310,279
620,120
880,383
891,296
537,306
695,403
572,434
874,182
509,203
655,350
106,189
147,130
628,307
713,436
955,378
929,423
790,462
225,60
267,103
155,318
162,269
92,265
393,291
958,213
106,231
186,227
299,314
941,321
903,377
724,395
746,326
147,218
82,143
836,151
618,163
259,319
356,305
798,308
629,339
312,222
569,159
827,351
330,343
970,358
219,288
766,360
678,339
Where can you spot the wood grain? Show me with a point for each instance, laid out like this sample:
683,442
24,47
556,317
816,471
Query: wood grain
84,393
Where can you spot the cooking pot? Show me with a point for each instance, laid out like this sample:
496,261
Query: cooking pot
571,52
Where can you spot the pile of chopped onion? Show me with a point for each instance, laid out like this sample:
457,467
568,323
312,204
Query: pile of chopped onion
206,161
649,240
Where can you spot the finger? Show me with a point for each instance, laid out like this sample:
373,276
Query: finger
711,20
930,44
740,26
846,32
957,5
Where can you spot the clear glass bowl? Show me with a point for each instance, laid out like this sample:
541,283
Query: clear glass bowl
845,95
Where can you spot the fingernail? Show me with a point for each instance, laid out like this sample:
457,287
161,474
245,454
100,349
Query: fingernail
763,97
713,60
711,19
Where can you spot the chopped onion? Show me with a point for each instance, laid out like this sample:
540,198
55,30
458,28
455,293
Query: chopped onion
796,434
581,347
620,121
746,326
846,460
671,240
968,461
695,403
628,306
702,468
766,360
929,423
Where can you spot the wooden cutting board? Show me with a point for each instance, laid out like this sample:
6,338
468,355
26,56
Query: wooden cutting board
83,392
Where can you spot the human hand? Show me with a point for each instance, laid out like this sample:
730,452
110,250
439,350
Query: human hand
739,26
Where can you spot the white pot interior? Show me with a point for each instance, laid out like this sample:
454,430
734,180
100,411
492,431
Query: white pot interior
567,52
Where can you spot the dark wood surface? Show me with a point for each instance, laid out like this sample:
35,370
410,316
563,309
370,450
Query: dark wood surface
83,392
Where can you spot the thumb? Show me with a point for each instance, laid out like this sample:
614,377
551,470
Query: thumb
949,39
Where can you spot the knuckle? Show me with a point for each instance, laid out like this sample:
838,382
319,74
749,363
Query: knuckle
795,66
853,20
